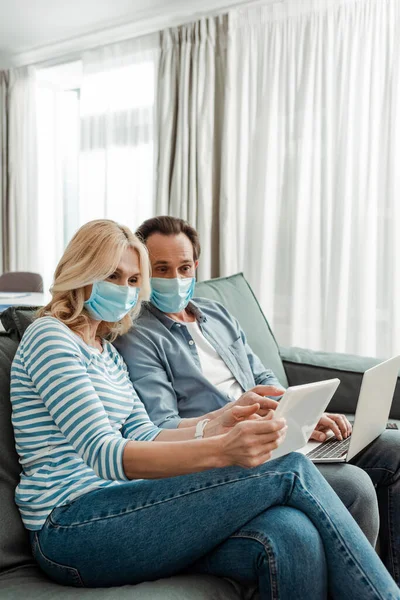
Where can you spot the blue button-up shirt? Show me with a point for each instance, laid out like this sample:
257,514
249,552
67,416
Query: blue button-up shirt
165,368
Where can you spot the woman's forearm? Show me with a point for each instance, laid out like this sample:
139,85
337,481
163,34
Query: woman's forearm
248,443
147,460
179,434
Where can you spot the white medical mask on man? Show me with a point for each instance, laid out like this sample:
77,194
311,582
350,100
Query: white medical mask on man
172,295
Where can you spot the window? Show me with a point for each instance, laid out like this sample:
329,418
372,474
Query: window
95,150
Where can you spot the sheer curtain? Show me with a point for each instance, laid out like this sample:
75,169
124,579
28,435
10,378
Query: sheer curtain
4,170
23,215
190,123
117,106
309,190
52,118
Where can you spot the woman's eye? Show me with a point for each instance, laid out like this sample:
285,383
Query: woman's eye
133,281
113,276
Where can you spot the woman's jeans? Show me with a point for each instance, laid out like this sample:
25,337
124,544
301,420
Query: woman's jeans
214,522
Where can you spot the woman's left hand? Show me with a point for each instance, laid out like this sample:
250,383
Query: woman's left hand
231,417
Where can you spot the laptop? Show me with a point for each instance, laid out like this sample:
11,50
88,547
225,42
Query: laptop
302,406
375,400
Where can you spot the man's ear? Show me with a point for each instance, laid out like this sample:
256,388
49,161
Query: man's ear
196,264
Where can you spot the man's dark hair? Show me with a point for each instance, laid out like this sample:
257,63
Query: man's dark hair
169,226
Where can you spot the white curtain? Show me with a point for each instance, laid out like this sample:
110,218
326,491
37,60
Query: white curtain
117,158
52,121
190,123
4,170
23,221
309,190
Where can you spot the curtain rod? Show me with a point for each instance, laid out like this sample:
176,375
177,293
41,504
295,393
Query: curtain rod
71,49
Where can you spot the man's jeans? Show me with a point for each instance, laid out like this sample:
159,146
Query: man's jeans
381,462
145,530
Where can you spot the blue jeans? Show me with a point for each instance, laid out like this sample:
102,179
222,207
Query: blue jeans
150,529
357,492
381,460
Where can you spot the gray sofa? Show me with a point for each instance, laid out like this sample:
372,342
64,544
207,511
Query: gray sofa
19,576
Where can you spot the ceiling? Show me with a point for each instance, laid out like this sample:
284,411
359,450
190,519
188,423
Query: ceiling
30,30
27,24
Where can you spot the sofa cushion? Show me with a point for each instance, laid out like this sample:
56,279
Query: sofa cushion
306,366
31,583
14,544
16,319
237,296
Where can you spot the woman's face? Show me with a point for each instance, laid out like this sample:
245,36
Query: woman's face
126,273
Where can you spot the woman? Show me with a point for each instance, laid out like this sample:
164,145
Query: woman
111,499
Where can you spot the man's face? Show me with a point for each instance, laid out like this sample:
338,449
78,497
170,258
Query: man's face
171,256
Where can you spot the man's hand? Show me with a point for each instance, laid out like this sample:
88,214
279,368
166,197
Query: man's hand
332,422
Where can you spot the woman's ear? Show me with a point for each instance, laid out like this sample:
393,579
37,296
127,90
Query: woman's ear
88,290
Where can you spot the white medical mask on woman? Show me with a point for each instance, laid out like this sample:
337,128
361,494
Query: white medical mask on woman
110,302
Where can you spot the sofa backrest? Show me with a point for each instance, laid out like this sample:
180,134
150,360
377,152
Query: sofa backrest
233,292
14,543
237,296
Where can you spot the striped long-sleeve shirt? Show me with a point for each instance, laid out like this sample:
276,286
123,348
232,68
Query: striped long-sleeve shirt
73,410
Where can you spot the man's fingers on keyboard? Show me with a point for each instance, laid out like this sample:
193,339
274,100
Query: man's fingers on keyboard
327,422
342,423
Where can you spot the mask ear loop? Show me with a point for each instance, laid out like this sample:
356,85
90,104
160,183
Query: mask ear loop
93,292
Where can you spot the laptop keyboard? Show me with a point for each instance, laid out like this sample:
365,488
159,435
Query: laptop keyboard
332,448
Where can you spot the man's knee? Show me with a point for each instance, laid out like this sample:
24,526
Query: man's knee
357,492
386,452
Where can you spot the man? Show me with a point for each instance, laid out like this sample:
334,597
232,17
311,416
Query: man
188,357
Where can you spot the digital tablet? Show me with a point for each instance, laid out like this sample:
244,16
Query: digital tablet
302,406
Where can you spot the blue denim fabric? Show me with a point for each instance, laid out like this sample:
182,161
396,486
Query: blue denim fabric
165,371
270,551
145,530
165,368
381,460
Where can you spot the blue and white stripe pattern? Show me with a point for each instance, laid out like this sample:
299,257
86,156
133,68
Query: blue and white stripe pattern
73,411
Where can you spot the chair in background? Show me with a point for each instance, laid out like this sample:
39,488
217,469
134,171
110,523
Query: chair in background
21,281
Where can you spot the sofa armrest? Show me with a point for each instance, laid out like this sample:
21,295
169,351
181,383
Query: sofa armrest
306,366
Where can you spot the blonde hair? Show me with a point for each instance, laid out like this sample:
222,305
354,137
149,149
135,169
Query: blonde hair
93,254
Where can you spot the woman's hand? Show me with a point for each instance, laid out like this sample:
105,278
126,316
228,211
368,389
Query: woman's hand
251,442
231,416
253,396
257,394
